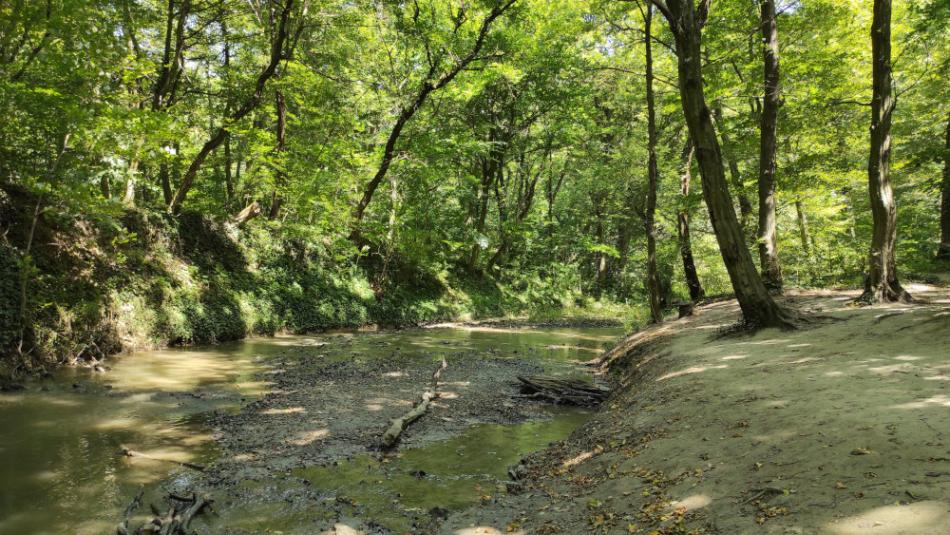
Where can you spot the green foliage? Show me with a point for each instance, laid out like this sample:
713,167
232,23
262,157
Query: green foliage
518,186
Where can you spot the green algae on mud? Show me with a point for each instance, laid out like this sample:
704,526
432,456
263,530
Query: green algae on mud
451,474
398,492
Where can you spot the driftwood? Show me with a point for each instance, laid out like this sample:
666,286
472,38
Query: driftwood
175,521
563,391
398,425
123,527
132,453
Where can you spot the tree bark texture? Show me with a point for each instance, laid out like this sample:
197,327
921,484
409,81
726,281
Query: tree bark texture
696,291
758,307
767,242
881,284
653,279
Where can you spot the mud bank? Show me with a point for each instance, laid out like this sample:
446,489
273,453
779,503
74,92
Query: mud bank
303,458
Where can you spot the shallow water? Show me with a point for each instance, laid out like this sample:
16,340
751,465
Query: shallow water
61,470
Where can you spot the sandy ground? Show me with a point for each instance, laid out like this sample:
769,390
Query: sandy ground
837,428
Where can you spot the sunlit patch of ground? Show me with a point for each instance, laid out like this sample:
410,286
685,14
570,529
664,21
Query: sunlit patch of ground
920,518
309,437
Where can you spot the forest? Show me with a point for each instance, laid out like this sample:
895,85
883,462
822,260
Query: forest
638,189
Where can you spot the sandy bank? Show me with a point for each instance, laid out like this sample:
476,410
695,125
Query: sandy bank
838,428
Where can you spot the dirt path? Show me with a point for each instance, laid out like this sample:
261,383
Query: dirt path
841,428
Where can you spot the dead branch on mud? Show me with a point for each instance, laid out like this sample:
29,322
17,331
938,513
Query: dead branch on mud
132,453
175,521
563,391
398,425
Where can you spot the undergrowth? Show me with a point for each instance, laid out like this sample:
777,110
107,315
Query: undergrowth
139,279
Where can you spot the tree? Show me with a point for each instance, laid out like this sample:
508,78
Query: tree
278,53
768,247
758,307
653,280
433,81
696,291
944,252
881,284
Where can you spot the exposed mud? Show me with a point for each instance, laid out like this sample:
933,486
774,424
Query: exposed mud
304,457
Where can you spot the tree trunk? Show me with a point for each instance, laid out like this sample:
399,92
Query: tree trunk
758,307
803,228
490,168
277,53
696,291
128,198
768,248
429,85
228,177
653,280
944,252
745,206
165,182
881,284
248,213
280,177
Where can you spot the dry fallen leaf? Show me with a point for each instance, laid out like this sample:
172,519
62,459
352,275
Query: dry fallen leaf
860,451
840,485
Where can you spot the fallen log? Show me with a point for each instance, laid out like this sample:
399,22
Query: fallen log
563,391
398,425
132,453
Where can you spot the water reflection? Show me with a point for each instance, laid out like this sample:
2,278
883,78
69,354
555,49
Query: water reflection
60,465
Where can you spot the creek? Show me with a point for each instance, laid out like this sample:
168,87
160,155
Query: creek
61,470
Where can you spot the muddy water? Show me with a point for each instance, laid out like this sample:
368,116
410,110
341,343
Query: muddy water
61,472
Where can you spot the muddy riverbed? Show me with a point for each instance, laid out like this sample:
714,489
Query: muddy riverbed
286,427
